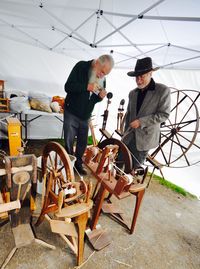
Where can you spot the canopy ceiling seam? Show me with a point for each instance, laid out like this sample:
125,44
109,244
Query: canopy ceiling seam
162,26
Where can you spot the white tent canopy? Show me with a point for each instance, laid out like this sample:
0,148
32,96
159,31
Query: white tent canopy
40,41
166,30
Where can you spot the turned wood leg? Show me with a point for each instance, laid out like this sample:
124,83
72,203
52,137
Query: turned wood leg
40,219
81,222
98,206
139,197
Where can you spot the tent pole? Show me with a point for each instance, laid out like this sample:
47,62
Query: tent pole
64,24
142,54
168,18
128,22
125,37
24,33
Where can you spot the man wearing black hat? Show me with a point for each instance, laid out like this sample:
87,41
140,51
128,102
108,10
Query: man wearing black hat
148,107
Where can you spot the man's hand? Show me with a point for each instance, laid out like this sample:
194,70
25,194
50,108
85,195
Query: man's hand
135,124
92,87
102,93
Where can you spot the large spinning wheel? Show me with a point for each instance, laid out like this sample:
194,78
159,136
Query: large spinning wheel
179,144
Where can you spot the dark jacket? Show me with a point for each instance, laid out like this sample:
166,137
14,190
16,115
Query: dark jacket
78,100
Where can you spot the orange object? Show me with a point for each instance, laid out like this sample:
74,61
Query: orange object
1,85
60,100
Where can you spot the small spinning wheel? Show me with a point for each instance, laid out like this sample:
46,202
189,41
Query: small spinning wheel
179,132
67,201
126,156
56,160
57,172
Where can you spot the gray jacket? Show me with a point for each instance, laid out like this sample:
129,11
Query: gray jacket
155,109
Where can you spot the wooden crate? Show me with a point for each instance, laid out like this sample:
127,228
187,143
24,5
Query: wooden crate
4,105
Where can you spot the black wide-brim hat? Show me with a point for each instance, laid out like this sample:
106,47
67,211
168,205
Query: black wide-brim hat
142,67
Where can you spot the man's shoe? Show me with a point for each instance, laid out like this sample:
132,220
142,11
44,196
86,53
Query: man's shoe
81,170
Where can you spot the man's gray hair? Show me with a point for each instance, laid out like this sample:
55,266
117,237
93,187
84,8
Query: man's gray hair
106,58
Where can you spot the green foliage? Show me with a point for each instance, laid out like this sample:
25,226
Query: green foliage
173,187
90,140
60,141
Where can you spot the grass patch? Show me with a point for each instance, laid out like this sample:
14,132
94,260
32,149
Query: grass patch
173,187
60,141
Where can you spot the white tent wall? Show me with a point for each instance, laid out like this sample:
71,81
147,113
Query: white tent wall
33,69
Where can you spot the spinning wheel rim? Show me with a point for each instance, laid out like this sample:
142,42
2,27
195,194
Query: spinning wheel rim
64,157
175,132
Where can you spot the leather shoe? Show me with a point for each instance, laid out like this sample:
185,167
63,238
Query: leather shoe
81,170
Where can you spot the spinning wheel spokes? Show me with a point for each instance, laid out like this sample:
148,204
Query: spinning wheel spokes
126,156
179,132
56,160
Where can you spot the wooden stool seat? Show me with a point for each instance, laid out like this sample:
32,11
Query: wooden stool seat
74,210
137,187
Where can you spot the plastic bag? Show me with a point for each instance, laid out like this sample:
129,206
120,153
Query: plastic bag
19,104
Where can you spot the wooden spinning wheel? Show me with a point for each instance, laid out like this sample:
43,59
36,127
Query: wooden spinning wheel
56,160
179,134
67,201
126,156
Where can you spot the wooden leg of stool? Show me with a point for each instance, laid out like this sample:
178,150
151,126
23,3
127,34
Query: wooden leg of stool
98,206
161,173
81,222
139,197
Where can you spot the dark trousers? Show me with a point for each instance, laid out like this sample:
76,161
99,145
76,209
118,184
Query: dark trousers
138,157
75,128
